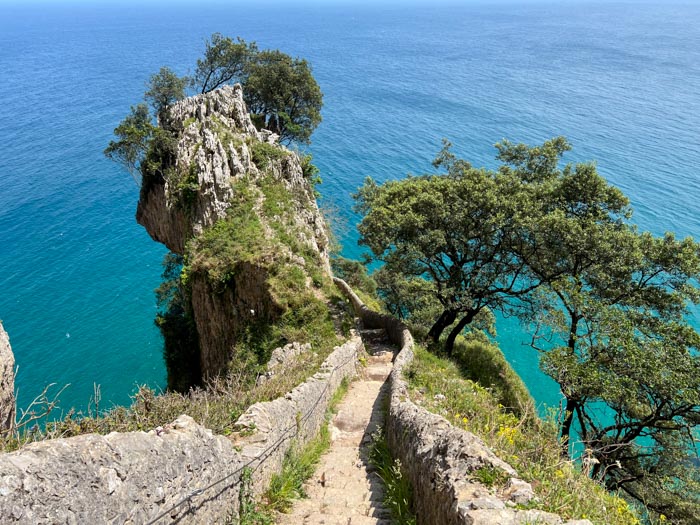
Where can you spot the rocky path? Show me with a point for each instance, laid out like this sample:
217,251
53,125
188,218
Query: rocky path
345,490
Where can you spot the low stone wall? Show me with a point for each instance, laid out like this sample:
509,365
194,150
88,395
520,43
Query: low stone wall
181,473
438,457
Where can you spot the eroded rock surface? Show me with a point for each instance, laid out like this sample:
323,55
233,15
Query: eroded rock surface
7,382
218,153
134,477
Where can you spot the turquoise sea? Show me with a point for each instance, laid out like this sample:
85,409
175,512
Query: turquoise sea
620,80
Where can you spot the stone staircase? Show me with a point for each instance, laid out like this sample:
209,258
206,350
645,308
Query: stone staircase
345,490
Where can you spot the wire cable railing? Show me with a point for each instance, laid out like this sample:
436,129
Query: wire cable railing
260,458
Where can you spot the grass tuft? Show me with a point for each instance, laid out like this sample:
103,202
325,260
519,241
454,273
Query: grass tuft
398,497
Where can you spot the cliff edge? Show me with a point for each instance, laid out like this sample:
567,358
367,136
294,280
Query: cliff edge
241,211
7,382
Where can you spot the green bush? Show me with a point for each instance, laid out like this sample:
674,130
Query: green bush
483,362
264,153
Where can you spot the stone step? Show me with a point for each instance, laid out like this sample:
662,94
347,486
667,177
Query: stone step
345,490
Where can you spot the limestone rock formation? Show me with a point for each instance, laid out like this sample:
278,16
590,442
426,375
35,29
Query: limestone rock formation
7,382
219,159
214,150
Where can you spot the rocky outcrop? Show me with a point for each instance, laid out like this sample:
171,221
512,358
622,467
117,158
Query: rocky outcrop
281,357
218,150
214,150
438,458
7,382
179,473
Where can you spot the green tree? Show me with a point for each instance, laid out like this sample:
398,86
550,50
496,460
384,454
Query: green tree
407,297
283,96
165,88
133,136
611,326
454,230
224,61
608,304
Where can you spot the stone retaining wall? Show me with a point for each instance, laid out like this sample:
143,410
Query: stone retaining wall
133,477
438,457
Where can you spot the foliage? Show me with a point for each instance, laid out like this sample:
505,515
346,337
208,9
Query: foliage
224,61
264,154
310,171
354,273
410,298
608,304
165,88
482,361
453,229
234,240
299,465
527,443
174,319
280,91
250,513
283,96
398,497
612,330
187,187
134,134
261,228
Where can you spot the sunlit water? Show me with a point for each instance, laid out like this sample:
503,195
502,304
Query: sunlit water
621,81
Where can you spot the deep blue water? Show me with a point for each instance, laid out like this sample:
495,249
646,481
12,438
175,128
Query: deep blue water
621,81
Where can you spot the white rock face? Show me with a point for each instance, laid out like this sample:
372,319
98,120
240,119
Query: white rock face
215,149
7,382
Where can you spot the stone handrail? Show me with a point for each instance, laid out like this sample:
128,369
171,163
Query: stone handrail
181,473
438,457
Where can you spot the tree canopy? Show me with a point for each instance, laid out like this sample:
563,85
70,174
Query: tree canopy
164,89
607,305
224,61
280,91
452,229
133,136
283,96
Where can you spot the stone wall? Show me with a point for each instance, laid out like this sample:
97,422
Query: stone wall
136,477
438,457
7,382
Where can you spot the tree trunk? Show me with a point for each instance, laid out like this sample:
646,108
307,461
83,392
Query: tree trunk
464,321
571,406
446,319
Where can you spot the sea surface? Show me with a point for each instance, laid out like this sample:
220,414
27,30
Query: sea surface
620,80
